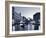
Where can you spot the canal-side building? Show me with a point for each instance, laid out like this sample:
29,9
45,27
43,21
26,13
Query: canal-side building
36,18
17,17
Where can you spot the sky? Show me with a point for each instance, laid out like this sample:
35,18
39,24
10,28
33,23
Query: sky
27,11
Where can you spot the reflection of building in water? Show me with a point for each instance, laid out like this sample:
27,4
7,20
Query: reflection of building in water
36,18
30,24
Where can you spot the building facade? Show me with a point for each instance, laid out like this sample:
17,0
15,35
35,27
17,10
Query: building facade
17,17
36,18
